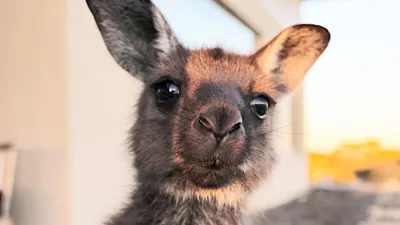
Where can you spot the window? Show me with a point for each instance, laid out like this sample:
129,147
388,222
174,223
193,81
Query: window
203,23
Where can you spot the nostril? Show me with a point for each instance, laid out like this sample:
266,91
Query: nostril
218,123
235,127
205,122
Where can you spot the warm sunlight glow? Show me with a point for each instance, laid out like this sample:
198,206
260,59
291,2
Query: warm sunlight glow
351,93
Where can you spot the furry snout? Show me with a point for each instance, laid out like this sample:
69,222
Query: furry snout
212,144
215,137
223,123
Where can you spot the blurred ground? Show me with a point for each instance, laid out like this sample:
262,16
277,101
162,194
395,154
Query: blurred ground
321,206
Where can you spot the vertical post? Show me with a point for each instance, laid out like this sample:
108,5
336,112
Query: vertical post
9,154
298,134
294,124
285,122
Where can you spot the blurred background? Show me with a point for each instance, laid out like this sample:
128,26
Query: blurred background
65,108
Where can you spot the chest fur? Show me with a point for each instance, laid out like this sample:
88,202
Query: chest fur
187,214
162,211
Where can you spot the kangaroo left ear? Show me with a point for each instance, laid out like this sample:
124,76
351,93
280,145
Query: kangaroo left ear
135,33
290,55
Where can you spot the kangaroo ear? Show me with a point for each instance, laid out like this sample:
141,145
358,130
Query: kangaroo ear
290,55
135,33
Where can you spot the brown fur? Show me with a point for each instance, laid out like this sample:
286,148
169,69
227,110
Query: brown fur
203,66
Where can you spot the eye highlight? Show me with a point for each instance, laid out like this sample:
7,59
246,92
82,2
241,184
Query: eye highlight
260,106
167,92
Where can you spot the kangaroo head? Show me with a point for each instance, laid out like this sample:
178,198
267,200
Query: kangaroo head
205,115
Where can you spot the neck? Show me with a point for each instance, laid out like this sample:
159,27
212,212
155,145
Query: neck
154,208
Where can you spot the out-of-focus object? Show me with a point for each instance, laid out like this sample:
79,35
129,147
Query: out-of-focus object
338,206
8,158
339,166
381,177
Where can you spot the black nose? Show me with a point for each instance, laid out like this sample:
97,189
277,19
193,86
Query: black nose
363,174
220,121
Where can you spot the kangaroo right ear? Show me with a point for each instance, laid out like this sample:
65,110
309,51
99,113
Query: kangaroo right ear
135,33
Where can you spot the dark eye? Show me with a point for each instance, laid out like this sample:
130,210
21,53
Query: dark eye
167,92
260,106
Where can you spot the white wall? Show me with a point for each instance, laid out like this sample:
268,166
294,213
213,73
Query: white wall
101,106
33,106
286,12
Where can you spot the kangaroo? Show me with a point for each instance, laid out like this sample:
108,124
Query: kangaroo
202,138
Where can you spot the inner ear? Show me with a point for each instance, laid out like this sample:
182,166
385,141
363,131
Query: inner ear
288,57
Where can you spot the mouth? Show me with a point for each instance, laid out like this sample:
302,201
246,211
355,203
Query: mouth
211,167
212,164
213,174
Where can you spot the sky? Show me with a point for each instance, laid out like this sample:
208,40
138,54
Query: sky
351,92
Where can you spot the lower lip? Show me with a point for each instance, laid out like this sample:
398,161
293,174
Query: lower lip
218,170
220,178
214,165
